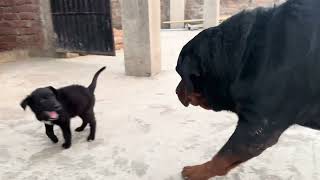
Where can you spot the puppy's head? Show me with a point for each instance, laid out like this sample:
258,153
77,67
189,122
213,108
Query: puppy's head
43,102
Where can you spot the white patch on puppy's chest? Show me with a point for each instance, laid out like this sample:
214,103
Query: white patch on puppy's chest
48,122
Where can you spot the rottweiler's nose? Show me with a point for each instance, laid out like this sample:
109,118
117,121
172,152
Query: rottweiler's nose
182,95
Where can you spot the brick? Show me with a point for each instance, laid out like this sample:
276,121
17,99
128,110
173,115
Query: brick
7,10
9,24
36,23
16,24
8,45
27,8
22,2
8,38
28,16
29,31
26,31
2,49
6,3
22,24
29,41
7,31
10,16
26,39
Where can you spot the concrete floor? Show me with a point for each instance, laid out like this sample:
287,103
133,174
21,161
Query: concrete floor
144,133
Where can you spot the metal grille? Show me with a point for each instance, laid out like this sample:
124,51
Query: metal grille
83,26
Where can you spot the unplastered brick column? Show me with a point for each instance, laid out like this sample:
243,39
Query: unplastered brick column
20,25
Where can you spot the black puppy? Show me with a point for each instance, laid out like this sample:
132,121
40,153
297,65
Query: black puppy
57,106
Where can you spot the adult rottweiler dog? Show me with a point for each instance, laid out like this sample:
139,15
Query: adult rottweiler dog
57,106
263,65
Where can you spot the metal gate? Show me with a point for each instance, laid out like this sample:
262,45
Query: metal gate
83,26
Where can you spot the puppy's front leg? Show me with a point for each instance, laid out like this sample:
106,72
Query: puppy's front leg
50,133
65,127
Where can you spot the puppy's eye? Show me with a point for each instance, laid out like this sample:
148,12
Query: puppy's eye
46,97
43,99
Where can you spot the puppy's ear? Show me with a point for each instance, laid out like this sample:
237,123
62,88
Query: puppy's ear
53,89
25,102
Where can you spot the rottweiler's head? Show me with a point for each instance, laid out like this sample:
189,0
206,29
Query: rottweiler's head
204,71
43,102
189,90
189,67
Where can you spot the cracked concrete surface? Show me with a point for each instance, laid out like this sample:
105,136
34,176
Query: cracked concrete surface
143,132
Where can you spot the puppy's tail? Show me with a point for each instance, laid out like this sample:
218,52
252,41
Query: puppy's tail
93,84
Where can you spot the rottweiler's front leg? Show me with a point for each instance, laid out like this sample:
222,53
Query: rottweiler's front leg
247,141
50,133
66,131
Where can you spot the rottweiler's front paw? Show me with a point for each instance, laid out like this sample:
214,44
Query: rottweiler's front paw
66,145
200,172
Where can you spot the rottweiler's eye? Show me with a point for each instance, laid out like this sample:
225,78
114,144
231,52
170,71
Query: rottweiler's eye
196,82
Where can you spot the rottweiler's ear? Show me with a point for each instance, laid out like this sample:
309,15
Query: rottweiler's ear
191,66
188,68
53,90
25,102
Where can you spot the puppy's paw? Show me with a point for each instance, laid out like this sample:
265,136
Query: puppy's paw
66,145
90,138
54,139
79,129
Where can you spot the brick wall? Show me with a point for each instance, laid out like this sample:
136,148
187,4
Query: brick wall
20,24
21,28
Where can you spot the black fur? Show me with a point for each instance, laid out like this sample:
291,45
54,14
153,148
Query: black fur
263,65
66,102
